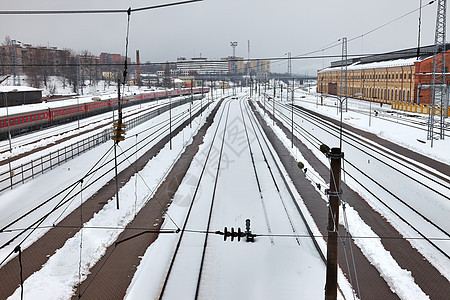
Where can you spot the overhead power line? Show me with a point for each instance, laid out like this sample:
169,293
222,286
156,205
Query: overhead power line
337,43
94,11
182,62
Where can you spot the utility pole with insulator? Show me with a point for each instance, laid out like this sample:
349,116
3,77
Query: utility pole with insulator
333,193
118,135
190,105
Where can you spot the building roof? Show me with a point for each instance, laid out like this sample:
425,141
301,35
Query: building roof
11,88
405,57
374,65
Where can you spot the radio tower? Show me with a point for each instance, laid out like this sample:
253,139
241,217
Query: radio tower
233,66
439,99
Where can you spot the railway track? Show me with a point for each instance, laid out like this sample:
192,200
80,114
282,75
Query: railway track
429,182
393,116
61,133
47,212
38,256
275,201
428,276
195,193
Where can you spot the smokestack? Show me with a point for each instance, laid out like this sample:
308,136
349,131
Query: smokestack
138,69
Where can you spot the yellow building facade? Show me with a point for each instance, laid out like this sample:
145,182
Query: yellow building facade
382,84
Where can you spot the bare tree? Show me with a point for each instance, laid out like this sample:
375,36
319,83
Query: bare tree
33,70
52,88
69,71
167,81
7,41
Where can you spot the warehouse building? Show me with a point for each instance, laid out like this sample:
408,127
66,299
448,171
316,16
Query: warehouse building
395,76
19,95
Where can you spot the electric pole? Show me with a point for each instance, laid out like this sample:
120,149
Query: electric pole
119,131
333,222
439,99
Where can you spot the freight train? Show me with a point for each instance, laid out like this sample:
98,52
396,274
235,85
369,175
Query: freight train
39,116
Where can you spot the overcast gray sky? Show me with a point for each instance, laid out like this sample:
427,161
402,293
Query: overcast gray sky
206,28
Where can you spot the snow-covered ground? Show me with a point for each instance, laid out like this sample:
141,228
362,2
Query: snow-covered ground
63,266
272,267
410,186
34,192
50,136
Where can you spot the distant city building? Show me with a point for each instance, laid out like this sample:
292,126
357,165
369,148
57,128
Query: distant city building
112,65
17,57
258,67
202,66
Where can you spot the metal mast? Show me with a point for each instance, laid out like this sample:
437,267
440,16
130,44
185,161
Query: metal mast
233,66
343,87
420,23
289,70
439,100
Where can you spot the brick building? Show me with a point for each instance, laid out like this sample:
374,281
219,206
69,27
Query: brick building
16,58
394,76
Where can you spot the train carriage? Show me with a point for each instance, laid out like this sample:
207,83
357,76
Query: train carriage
22,122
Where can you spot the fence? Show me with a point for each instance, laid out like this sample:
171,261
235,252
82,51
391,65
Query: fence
416,108
27,171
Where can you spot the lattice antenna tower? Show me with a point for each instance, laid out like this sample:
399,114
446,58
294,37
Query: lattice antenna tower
439,98
289,70
233,58
343,87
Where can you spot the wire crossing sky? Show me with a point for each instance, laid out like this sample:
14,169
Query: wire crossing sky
205,28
